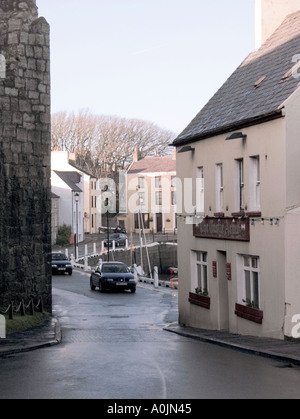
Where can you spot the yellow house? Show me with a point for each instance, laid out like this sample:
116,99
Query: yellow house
151,195
239,247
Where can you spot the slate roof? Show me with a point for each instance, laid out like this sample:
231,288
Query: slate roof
239,103
71,179
153,165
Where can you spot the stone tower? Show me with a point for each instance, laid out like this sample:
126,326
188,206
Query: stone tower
25,189
269,14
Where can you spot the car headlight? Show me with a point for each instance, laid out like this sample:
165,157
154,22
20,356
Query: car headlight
54,266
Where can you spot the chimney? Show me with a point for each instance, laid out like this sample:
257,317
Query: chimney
269,15
136,155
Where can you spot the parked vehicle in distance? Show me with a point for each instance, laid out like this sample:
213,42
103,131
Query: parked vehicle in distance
112,276
119,229
118,238
61,264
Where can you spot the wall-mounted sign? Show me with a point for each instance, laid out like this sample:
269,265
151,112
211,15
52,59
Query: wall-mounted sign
228,271
223,229
214,269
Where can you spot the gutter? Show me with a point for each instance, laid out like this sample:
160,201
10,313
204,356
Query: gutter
279,113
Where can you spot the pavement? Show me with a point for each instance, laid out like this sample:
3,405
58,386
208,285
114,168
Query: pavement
49,334
45,335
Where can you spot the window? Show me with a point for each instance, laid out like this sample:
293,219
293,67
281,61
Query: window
173,181
200,190
141,199
158,198
141,221
219,188
141,182
239,181
250,280
158,182
254,183
173,198
200,272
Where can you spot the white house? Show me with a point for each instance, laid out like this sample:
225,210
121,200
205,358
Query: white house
62,161
238,250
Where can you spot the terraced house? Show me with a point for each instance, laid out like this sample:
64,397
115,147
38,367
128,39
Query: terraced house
239,264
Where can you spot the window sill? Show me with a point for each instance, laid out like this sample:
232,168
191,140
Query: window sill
249,313
199,300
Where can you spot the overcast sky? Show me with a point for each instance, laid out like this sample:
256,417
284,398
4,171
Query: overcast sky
156,60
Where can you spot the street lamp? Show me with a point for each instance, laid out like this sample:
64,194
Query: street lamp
76,236
107,225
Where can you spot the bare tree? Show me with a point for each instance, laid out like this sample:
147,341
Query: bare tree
105,144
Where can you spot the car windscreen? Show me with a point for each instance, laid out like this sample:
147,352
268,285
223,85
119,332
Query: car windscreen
114,269
59,256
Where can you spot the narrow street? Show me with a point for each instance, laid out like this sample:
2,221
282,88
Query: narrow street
114,347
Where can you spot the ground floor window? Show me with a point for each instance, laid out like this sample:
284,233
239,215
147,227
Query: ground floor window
199,273
141,220
249,280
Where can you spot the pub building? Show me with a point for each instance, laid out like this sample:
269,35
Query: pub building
239,258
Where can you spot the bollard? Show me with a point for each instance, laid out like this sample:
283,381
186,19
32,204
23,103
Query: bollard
155,277
2,327
72,259
86,266
94,248
135,273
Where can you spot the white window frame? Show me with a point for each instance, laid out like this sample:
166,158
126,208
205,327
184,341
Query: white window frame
239,185
255,183
141,182
158,182
219,188
199,267
249,280
200,190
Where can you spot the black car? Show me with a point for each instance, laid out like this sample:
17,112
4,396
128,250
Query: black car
61,264
118,238
112,276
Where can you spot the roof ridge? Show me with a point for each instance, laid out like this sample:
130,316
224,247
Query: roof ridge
240,100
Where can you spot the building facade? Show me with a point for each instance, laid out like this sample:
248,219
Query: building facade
151,195
67,181
238,250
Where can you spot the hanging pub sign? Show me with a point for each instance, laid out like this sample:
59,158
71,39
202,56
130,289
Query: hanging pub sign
237,229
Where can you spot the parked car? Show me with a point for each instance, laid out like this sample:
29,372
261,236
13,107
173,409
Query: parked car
118,238
119,229
112,276
61,264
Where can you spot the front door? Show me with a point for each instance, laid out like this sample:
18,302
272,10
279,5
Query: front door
159,223
223,312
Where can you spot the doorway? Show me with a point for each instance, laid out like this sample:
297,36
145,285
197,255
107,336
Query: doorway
159,222
223,309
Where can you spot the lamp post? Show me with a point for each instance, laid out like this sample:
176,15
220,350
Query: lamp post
76,236
107,226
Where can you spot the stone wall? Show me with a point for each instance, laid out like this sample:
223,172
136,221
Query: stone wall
25,200
161,255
